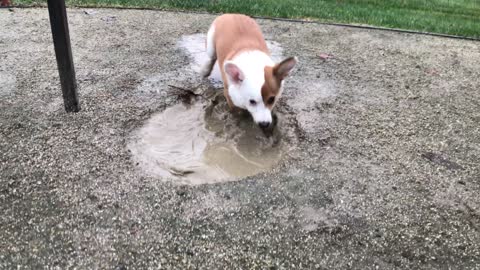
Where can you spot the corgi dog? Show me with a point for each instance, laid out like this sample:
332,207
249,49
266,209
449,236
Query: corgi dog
252,80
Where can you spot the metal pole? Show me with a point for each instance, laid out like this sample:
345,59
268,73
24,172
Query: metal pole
63,52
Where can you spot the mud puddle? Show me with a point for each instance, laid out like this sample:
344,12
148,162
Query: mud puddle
200,141
203,143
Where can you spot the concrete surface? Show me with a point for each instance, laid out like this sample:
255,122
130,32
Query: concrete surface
385,175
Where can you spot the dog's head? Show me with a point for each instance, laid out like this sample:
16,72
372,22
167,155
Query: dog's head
258,90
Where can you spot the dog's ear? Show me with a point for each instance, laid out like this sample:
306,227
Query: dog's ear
235,75
282,69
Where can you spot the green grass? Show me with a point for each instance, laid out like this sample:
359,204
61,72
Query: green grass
455,17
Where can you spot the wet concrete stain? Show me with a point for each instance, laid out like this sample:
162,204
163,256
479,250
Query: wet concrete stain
441,160
7,83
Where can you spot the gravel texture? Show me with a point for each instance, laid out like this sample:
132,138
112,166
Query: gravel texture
385,174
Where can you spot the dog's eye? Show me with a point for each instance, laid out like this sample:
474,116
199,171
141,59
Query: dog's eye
271,100
253,102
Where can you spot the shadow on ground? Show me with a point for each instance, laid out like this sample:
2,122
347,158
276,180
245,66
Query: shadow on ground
385,173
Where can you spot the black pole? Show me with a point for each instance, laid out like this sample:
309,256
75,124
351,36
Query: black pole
63,52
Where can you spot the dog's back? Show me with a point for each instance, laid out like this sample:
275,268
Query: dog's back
235,33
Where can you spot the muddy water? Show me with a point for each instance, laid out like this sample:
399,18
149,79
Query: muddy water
203,142
199,143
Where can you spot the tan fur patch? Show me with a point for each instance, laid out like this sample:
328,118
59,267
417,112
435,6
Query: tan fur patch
271,87
235,33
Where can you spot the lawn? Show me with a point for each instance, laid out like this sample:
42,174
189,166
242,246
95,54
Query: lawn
455,17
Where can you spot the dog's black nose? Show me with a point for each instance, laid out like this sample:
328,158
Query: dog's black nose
264,124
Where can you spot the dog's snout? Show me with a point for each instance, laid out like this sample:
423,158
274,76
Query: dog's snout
264,124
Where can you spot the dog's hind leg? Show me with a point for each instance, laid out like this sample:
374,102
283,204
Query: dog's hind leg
211,53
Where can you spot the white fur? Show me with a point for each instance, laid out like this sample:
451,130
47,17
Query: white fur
211,42
211,52
252,64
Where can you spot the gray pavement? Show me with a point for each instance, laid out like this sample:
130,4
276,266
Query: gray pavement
384,174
